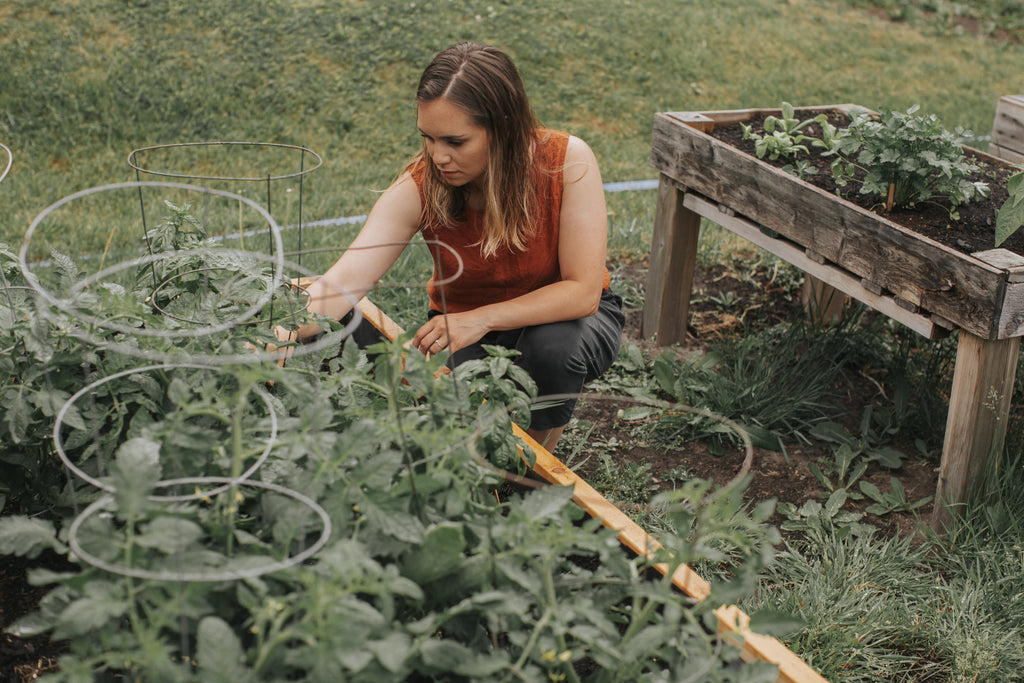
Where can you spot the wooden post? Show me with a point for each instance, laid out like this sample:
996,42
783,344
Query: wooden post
824,303
672,264
1008,129
979,406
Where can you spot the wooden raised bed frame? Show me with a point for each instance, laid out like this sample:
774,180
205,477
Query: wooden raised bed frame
732,621
908,277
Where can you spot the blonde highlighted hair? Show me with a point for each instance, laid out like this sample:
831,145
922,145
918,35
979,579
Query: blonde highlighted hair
483,81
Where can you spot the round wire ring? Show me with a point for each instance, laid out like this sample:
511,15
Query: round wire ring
58,441
10,160
244,316
223,575
248,357
63,305
246,321
133,162
748,446
427,242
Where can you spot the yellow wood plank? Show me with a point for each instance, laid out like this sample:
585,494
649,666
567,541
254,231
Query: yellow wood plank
631,535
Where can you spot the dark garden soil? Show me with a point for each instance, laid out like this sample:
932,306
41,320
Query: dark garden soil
975,229
23,659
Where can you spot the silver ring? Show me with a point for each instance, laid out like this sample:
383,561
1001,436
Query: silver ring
438,342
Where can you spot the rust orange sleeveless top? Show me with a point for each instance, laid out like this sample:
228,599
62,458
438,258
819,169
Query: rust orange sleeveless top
508,273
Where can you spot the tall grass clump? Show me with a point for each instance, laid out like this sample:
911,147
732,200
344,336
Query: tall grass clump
777,383
918,608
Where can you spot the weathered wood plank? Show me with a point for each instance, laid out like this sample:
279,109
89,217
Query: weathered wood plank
979,405
1008,129
912,267
733,622
827,273
1011,317
672,265
823,302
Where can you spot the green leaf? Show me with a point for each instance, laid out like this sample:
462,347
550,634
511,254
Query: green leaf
1009,218
104,603
833,432
887,457
30,625
27,537
871,491
135,471
546,502
835,501
638,413
170,535
392,651
448,656
762,438
18,416
219,653
439,555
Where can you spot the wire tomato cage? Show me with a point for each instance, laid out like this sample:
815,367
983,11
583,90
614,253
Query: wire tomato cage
10,161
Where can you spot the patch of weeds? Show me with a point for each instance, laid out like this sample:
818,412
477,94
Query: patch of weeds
818,523
723,301
852,454
678,475
895,500
626,482
629,374
860,601
776,383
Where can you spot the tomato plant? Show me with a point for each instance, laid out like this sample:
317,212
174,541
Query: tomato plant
346,517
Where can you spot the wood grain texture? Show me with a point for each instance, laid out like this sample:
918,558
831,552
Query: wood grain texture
1008,129
979,405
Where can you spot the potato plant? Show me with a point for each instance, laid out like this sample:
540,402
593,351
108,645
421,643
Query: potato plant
346,517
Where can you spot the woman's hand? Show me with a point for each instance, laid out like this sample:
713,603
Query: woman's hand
284,335
449,332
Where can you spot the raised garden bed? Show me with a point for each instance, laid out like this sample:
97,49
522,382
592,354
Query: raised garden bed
929,286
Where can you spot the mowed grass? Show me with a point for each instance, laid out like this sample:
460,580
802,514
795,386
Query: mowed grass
84,83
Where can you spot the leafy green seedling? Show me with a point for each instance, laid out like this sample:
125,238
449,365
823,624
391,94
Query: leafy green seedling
783,137
894,501
908,158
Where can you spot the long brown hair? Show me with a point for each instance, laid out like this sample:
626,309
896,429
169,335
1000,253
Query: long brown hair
483,81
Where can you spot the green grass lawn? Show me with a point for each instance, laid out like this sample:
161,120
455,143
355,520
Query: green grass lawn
85,83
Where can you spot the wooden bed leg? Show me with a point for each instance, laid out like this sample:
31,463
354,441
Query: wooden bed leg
824,303
979,406
672,264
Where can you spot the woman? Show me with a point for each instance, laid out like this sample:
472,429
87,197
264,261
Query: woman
523,207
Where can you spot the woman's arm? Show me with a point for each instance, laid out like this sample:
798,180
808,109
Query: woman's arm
582,251
392,222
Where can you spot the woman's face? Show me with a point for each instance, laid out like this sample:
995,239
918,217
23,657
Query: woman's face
456,144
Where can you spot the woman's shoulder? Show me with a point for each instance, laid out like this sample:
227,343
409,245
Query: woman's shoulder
563,147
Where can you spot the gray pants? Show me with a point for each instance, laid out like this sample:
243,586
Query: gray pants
560,357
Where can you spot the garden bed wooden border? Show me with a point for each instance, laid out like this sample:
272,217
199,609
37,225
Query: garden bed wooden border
912,279
732,621
1008,129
